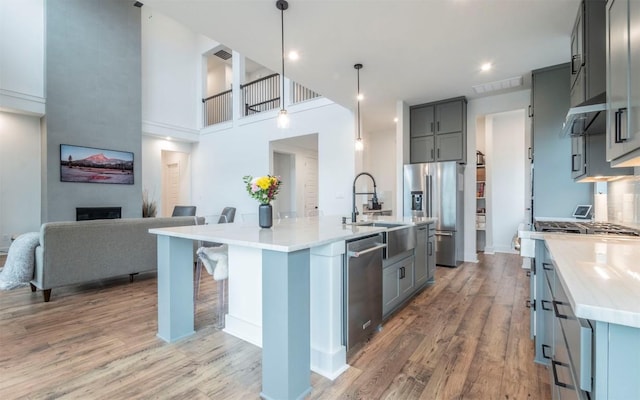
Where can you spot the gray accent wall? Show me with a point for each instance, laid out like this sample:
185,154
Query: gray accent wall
555,194
93,91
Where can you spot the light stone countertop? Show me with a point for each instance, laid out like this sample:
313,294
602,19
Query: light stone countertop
600,275
285,235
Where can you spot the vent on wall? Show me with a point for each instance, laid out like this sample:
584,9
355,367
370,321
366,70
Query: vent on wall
509,83
225,55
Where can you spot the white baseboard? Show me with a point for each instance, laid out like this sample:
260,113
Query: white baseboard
244,330
329,364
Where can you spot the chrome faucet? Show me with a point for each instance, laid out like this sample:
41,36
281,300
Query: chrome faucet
374,199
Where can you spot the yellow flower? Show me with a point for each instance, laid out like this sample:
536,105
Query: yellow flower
264,182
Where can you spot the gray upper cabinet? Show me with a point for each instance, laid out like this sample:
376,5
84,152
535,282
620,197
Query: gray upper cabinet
623,83
588,74
422,121
439,131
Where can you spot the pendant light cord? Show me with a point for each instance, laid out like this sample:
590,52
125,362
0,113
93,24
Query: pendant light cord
358,98
282,36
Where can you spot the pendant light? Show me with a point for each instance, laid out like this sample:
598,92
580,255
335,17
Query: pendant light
283,117
359,144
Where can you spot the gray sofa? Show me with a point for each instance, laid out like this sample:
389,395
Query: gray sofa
84,251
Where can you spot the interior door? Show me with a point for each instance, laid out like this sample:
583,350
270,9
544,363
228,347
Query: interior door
310,198
171,190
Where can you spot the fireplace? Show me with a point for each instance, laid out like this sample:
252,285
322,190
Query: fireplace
88,213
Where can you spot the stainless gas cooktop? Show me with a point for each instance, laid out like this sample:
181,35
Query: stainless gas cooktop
593,228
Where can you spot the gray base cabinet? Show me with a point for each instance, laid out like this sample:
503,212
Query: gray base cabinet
586,359
405,274
397,283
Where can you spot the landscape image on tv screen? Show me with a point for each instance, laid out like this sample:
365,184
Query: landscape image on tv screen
88,164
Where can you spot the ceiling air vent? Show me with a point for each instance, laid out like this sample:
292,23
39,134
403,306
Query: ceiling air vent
225,55
509,83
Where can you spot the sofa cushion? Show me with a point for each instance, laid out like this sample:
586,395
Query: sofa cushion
18,268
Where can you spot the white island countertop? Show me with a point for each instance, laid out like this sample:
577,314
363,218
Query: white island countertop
601,276
286,235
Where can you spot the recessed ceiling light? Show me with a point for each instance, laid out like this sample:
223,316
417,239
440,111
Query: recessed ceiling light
168,137
293,55
486,67
360,97
395,119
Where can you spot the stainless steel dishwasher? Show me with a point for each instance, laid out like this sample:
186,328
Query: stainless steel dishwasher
362,289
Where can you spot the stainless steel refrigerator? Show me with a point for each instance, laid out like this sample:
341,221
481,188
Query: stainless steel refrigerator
436,190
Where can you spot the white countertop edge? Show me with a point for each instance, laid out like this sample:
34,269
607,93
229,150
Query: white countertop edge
266,246
582,304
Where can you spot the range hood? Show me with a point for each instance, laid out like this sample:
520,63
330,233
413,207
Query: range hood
587,118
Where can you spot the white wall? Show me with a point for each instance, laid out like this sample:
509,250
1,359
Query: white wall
222,158
22,56
172,90
379,159
152,149
505,153
476,108
19,175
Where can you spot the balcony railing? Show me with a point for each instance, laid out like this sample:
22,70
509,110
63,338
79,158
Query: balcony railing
257,96
218,108
261,95
301,93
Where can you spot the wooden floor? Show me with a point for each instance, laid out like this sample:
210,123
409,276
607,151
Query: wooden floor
466,337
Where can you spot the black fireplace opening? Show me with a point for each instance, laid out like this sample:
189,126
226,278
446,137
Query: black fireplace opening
89,213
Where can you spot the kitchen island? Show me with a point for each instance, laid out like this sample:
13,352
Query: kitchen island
295,269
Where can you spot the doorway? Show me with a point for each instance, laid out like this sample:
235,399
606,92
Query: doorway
295,160
176,181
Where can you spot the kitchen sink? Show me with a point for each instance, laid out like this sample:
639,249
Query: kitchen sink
397,240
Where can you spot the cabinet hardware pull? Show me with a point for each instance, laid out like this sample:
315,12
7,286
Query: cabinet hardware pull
555,374
544,266
530,151
432,154
544,354
531,304
555,309
573,163
432,127
619,136
573,62
543,307
530,111
438,153
529,273
438,126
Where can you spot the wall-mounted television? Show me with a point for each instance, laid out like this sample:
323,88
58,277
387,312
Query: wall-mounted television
92,165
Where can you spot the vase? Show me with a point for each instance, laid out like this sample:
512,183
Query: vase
265,216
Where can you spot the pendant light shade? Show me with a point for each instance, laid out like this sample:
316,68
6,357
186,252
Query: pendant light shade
359,143
283,117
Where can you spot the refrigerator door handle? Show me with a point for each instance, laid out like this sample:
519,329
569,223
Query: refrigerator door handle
444,233
429,197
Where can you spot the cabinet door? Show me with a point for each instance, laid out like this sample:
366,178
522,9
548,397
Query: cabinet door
390,288
617,76
407,271
422,121
431,258
421,270
578,162
449,147
577,50
422,149
634,65
449,117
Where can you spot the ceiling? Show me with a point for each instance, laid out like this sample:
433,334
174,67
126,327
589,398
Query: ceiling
412,50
